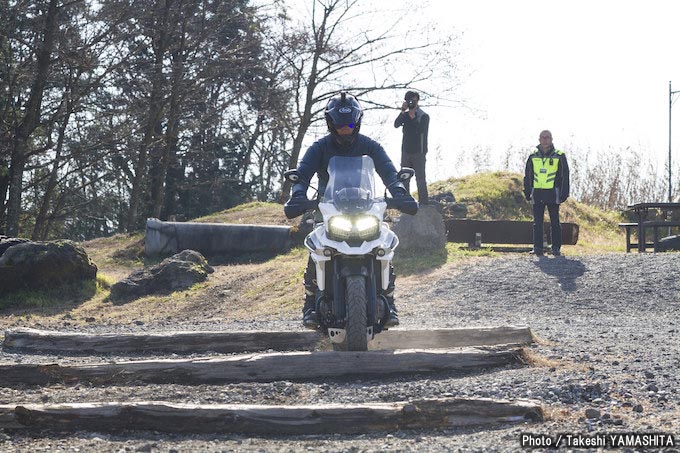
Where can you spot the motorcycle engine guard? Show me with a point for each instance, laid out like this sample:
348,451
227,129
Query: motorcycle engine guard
338,335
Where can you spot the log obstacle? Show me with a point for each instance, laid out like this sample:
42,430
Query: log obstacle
72,343
293,366
260,419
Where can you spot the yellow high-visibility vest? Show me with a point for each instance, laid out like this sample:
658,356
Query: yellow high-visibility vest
545,169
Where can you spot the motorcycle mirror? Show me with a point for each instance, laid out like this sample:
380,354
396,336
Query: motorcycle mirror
292,176
405,174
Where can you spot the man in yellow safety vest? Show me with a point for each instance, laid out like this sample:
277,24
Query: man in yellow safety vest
546,183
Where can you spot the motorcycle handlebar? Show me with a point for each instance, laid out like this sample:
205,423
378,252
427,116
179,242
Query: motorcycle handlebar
295,207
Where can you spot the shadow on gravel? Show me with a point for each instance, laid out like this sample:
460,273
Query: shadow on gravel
565,269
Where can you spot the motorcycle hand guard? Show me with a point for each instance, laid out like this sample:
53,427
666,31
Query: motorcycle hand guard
295,207
405,204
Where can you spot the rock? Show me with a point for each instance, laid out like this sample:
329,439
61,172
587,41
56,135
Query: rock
423,231
34,265
638,408
178,272
453,210
669,243
6,243
446,197
592,413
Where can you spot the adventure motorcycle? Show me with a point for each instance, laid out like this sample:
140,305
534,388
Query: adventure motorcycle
352,250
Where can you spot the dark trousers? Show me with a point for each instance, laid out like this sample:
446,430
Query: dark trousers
416,162
555,227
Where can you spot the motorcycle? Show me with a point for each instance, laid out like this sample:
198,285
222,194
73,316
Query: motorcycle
352,249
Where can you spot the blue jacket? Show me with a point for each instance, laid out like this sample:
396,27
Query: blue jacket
317,156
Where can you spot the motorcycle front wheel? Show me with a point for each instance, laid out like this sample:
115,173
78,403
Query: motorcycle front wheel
355,327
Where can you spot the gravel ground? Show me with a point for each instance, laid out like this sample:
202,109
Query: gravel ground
606,361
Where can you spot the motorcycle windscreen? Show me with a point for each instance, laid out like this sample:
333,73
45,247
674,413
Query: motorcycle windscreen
351,183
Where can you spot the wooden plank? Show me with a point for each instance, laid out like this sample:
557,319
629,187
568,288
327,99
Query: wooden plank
260,419
32,340
297,366
452,338
504,231
73,343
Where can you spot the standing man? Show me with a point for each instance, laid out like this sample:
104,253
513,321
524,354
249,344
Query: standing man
546,183
415,124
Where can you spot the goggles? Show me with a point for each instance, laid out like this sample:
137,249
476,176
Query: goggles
340,126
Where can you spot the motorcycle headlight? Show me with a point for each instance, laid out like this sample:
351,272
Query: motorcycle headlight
364,227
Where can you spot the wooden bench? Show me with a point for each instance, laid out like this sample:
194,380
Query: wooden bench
655,225
475,232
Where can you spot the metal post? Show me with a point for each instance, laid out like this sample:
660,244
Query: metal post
670,108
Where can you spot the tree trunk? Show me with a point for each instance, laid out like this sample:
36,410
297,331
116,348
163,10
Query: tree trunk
30,121
153,118
310,87
40,228
440,413
172,129
277,366
35,341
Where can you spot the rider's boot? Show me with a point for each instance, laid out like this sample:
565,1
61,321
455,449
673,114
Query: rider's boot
309,319
392,318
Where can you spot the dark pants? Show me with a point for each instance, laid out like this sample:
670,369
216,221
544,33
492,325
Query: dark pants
555,227
416,162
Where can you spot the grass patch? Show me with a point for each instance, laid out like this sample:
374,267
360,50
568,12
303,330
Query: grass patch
488,196
499,196
413,262
104,282
119,250
54,299
256,213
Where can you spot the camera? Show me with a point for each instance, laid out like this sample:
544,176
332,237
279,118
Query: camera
411,103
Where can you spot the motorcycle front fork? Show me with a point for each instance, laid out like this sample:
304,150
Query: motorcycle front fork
330,304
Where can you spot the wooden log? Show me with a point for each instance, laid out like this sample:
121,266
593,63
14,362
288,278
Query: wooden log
31,340
269,367
260,419
452,338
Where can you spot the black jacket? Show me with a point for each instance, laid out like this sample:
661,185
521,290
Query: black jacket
415,131
560,192
317,156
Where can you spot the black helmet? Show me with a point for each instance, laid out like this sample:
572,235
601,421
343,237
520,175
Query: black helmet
343,110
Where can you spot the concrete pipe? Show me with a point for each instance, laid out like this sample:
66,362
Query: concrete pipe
167,238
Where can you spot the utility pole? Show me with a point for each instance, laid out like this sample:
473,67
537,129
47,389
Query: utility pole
670,107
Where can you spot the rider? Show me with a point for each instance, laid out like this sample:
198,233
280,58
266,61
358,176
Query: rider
343,116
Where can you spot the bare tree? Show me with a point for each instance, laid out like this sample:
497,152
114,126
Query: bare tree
342,47
29,121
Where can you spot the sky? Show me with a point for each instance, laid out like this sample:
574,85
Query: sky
596,73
